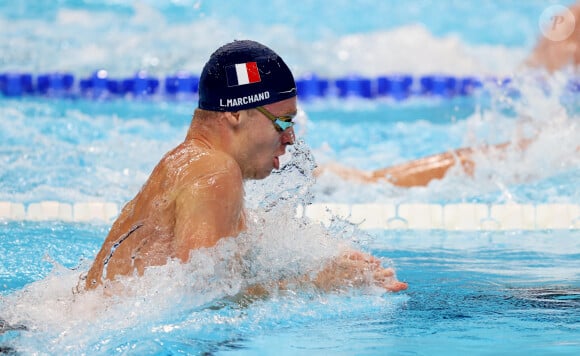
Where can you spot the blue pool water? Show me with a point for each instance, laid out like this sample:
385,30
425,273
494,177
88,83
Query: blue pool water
483,292
470,292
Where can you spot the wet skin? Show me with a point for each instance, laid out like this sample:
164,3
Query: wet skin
194,197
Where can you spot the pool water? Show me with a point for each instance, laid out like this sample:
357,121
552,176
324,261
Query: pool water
78,145
482,292
495,291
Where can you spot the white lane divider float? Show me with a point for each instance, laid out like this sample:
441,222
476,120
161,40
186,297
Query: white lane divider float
458,217
53,210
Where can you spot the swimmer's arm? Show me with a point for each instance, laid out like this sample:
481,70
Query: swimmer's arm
418,172
355,268
351,268
206,210
421,171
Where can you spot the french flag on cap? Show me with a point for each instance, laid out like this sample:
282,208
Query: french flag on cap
242,73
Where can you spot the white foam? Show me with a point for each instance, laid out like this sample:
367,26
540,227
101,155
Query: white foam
176,294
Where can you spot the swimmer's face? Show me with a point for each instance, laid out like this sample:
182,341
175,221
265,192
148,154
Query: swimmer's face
266,141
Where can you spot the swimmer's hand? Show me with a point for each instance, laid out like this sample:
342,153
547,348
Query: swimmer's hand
357,269
350,269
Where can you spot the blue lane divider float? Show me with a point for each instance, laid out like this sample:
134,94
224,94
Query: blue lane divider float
54,83
396,86
100,85
15,84
181,83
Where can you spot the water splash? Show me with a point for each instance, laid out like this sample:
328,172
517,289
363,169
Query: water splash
203,296
292,184
534,111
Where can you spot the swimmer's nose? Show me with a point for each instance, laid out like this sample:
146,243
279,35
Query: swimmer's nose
287,137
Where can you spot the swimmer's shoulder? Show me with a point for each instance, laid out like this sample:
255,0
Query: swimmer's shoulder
194,161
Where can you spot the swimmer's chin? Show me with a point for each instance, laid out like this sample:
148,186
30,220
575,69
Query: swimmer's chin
268,171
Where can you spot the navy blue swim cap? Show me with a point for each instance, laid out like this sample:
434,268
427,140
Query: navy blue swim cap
243,75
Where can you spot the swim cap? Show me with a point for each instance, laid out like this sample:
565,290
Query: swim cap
243,75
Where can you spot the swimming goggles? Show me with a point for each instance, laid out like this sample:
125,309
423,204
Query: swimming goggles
281,123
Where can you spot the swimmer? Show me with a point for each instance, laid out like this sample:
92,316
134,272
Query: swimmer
421,171
565,52
549,54
194,196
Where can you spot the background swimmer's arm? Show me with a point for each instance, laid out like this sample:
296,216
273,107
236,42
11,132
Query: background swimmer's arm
208,209
421,171
418,172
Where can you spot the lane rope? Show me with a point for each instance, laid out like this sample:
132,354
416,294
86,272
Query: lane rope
413,216
100,85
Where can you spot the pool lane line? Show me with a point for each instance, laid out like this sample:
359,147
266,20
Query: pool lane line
409,216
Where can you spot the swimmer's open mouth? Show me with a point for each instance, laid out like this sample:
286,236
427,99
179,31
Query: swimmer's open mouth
277,162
